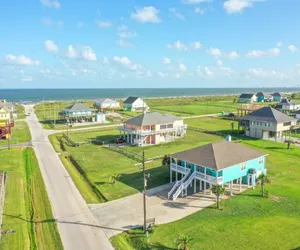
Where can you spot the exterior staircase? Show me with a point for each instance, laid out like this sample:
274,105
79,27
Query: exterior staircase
181,185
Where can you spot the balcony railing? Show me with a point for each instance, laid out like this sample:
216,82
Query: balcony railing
209,178
178,168
152,132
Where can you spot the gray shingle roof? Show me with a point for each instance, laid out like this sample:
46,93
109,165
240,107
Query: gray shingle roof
105,100
77,107
152,118
131,99
276,94
260,94
219,155
267,114
246,96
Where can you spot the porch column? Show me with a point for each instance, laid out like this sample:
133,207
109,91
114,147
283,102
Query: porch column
210,186
217,176
171,175
240,182
200,185
176,176
253,181
204,173
185,165
195,185
248,181
231,186
204,188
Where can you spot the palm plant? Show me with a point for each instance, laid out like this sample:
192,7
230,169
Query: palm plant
218,190
289,142
262,179
183,241
114,178
166,160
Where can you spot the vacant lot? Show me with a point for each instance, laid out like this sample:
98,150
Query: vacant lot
27,210
20,133
247,221
212,123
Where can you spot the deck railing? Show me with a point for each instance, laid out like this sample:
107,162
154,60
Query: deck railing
179,168
152,132
209,177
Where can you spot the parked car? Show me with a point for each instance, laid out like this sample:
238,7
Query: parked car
120,140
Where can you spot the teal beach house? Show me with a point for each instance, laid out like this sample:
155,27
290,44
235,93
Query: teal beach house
223,163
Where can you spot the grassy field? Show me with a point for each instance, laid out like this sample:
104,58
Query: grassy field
21,111
247,221
27,209
212,123
20,133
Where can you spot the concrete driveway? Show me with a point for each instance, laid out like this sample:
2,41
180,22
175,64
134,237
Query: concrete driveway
126,213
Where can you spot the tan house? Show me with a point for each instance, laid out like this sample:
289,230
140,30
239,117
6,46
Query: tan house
152,128
266,123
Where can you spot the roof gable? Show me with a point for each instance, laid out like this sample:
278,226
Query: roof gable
152,118
219,155
247,96
105,100
276,94
267,114
77,107
260,94
131,99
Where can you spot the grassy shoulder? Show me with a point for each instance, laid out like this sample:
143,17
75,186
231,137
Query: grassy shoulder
27,209
20,134
21,111
245,220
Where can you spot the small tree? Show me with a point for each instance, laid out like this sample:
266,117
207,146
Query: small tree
218,190
183,241
289,142
166,161
114,178
262,179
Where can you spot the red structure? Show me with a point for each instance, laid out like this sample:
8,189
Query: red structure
5,130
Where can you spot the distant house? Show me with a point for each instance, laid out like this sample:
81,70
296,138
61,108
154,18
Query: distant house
247,98
287,105
5,116
277,97
77,112
266,123
106,103
152,128
135,104
263,97
215,163
10,107
297,115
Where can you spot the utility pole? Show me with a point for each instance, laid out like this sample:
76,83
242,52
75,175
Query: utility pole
144,194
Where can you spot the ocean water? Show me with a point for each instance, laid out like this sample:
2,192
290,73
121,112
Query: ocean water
35,95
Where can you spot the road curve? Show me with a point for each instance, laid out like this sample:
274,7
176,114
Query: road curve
77,226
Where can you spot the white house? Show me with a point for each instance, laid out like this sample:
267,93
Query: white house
106,103
135,104
297,115
152,128
288,105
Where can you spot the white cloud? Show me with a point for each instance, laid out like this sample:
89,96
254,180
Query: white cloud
125,35
105,60
52,23
279,44
103,24
293,48
51,46
124,43
237,6
84,53
176,13
214,52
182,67
259,72
227,70
80,25
233,55
199,10
147,14
51,4
166,60
219,62
124,61
122,27
261,53
25,78
21,60
162,74
183,47
195,1
177,76
208,72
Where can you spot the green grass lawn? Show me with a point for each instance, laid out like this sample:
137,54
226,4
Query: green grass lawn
21,111
27,209
20,133
247,221
211,123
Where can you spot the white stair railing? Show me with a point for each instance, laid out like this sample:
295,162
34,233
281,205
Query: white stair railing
184,185
178,183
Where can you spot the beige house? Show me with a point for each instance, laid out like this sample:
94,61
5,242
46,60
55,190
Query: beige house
152,128
266,123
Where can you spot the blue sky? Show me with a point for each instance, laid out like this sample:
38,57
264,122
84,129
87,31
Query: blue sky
138,43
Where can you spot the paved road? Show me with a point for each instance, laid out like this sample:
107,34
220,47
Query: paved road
78,227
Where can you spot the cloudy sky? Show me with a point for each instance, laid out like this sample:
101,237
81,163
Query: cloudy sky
149,43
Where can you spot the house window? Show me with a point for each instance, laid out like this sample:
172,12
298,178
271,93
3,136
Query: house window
287,123
163,126
261,160
243,167
261,124
170,125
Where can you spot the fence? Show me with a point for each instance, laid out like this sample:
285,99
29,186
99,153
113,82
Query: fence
2,197
125,151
